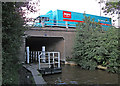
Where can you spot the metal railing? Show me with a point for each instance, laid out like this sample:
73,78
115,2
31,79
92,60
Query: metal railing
51,58
51,23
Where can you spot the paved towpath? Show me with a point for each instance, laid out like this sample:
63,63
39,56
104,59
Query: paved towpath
36,75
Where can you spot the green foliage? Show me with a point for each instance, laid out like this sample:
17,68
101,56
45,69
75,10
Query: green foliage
94,46
12,31
112,8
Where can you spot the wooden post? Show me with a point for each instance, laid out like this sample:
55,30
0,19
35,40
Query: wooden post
27,55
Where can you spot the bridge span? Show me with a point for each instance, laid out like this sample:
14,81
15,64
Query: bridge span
54,38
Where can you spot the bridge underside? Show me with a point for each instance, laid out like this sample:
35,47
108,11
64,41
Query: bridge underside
51,44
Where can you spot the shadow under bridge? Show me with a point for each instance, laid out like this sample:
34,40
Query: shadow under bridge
52,44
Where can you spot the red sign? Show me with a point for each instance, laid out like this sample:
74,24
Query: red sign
72,20
66,14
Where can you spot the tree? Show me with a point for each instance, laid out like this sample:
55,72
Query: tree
111,8
85,42
12,31
27,8
13,21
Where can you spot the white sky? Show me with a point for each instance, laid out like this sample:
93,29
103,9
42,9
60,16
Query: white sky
89,6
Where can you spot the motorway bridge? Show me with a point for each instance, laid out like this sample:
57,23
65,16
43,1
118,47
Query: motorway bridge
53,38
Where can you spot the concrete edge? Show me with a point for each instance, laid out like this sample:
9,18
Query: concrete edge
38,79
54,29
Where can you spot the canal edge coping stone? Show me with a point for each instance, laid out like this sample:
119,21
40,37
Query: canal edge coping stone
38,79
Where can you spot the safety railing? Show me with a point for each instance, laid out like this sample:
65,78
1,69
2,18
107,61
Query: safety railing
52,59
52,23
33,56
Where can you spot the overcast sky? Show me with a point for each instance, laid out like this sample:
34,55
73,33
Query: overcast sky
81,6
89,6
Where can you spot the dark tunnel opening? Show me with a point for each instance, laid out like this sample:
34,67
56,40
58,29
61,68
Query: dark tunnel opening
50,43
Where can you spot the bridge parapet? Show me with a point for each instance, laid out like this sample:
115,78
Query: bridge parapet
52,29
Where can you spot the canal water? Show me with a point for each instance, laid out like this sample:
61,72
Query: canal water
76,75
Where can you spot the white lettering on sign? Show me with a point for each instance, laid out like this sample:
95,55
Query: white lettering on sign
66,14
103,20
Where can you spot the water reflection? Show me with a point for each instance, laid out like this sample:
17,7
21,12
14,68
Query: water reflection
76,75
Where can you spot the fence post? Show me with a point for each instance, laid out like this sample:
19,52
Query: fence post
39,61
36,56
58,59
66,25
28,55
49,58
43,53
53,58
40,54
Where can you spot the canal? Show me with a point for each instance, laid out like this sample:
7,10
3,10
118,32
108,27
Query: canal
76,75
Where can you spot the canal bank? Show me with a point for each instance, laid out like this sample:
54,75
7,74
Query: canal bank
25,77
33,68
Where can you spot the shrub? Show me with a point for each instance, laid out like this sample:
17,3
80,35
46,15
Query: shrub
94,46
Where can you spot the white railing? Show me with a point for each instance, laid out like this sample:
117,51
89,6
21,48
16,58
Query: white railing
32,56
52,58
39,61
